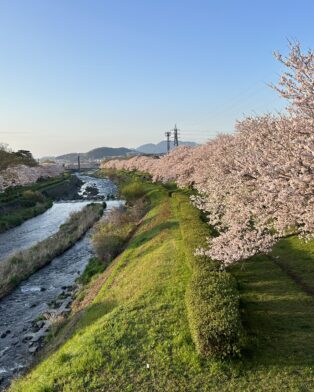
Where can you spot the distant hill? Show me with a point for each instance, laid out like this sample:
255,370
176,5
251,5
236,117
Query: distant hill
107,152
161,147
97,153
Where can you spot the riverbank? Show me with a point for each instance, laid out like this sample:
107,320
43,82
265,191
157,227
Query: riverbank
131,331
24,263
20,203
26,174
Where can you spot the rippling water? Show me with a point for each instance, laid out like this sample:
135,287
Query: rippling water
46,224
38,228
31,298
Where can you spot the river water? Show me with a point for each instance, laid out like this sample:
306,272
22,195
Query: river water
32,298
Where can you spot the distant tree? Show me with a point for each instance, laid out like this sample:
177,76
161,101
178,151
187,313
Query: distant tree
10,158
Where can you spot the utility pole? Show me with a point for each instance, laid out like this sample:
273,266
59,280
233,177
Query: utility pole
168,134
78,162
175,136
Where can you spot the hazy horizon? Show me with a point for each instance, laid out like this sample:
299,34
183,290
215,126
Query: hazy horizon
95,147
80,75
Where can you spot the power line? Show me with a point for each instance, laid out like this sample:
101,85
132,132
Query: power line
200,135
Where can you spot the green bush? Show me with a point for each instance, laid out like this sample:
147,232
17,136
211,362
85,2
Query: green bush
133,191
212,296
34,196
27,203
31,198
111,233
94,267
213,311
107,245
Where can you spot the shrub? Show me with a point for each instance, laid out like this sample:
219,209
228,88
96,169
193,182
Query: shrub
112,232
27,203
213,311
94,267
35,196
117,217
133,191
107,245
138,210
212,297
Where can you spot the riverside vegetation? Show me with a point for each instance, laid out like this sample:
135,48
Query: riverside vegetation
111,234
11,158
19,266
138,325
20,203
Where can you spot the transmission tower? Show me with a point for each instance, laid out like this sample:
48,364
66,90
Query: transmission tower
175,136
168,135
78,162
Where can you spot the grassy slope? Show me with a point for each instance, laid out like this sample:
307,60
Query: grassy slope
139,318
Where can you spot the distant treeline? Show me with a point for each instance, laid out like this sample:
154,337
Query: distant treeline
20,203
11,158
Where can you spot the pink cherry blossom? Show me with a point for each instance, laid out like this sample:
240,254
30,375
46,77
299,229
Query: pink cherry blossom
256,185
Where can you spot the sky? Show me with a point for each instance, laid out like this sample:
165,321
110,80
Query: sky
80,74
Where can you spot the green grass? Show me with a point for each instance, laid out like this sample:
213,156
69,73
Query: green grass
139,317
297,257
133,191
93,268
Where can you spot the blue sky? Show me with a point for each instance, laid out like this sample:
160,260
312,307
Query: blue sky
80,74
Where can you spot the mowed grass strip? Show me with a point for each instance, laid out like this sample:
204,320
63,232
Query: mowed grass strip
279,320
135,335
296,256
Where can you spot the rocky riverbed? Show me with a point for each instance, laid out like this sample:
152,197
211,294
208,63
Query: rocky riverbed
28,313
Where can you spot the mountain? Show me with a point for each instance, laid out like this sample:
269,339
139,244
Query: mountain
97,154
161,147
107,152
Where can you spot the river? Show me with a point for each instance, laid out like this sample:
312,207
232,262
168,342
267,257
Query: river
34,296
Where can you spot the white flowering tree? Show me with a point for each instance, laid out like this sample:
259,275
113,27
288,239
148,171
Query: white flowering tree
258,184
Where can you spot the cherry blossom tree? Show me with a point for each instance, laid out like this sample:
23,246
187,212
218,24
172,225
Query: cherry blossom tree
256,185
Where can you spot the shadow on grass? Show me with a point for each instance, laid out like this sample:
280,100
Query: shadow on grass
94,312
146,236
277,315
296,258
